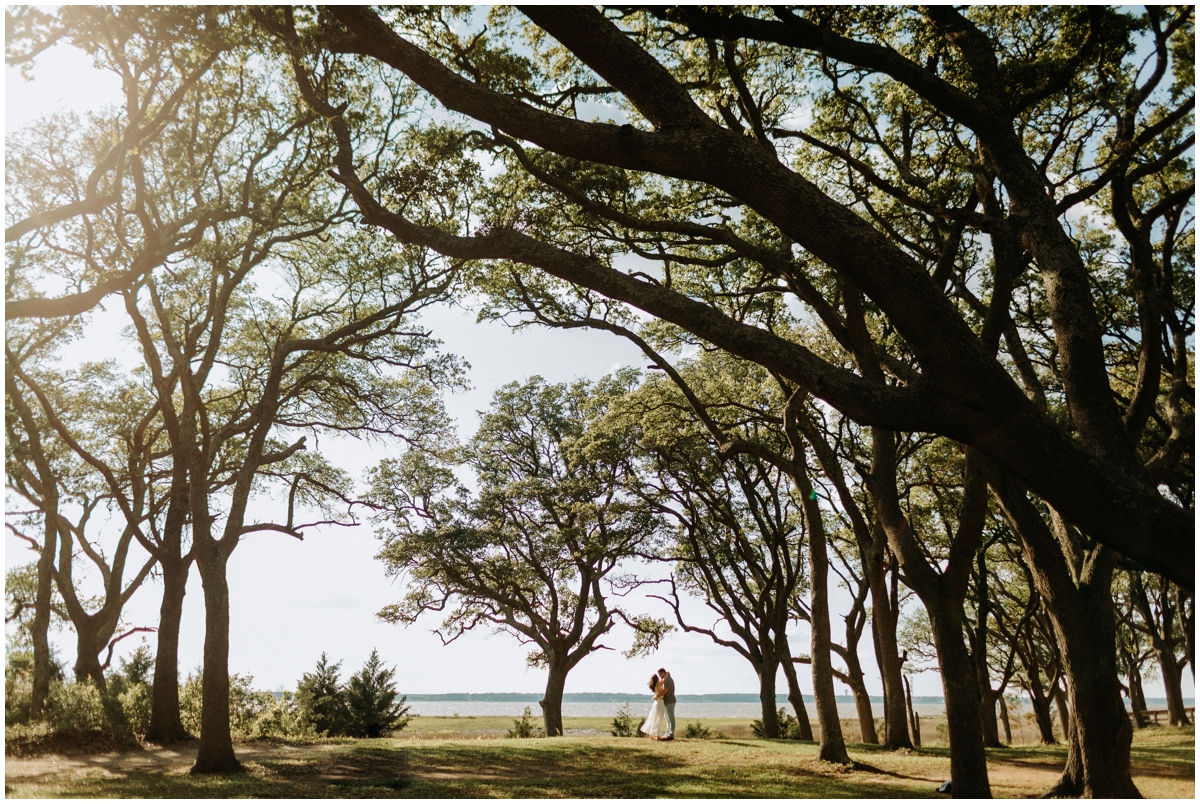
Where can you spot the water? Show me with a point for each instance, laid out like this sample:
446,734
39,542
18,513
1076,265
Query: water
683,710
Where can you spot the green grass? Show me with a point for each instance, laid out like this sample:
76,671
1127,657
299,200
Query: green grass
589,766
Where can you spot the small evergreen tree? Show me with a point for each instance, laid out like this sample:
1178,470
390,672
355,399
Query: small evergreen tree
525,727
321,699
371,699
625,724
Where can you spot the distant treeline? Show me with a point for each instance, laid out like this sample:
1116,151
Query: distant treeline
618,697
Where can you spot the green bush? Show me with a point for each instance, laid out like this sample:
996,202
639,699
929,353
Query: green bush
253,714
524,727
624,725
18,695
789,727
135,706
698,731
76,706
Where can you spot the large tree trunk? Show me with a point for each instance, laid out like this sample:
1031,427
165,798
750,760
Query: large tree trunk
1041,712
87,655
1137,699
987,696
795,695
914,721
1078,598
833,744
215,753
1004,720
40,627
165,723
987,714
968,762
862,699
766,697
1172,676
551,702
883,625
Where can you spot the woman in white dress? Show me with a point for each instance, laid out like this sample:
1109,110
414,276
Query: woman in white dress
657,726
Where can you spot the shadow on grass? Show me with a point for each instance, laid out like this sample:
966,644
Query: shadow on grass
529,769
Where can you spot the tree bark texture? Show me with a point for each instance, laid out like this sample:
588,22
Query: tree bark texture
1005,721
551,703
796,697
215,753
766,697
1078,598
968,762
165,724
833,744
1172,676
40,627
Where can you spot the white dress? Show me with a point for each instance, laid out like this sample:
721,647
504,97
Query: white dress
656,724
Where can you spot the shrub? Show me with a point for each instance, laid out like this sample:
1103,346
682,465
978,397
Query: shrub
697,731
321,701
524,727
253,714
18,696
76,706
135,706
371,701
789,727
280,719
623,723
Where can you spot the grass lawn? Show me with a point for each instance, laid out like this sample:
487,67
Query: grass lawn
442,757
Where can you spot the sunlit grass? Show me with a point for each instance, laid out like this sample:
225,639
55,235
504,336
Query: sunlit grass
594,766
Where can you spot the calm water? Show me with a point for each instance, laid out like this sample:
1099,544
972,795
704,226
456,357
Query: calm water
683,710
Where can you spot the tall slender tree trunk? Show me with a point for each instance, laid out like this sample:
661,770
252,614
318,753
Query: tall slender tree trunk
795,695
987,696
551,703
883,625
1041,709
1137,701
40,627
862,699
1172,676
833,743
987,714
215,753
766,696
1005,721
914,722
166,726
968,762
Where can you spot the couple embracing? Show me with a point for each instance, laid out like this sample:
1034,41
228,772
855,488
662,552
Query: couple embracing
660,723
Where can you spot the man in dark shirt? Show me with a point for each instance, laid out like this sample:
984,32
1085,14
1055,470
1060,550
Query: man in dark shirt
669,700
